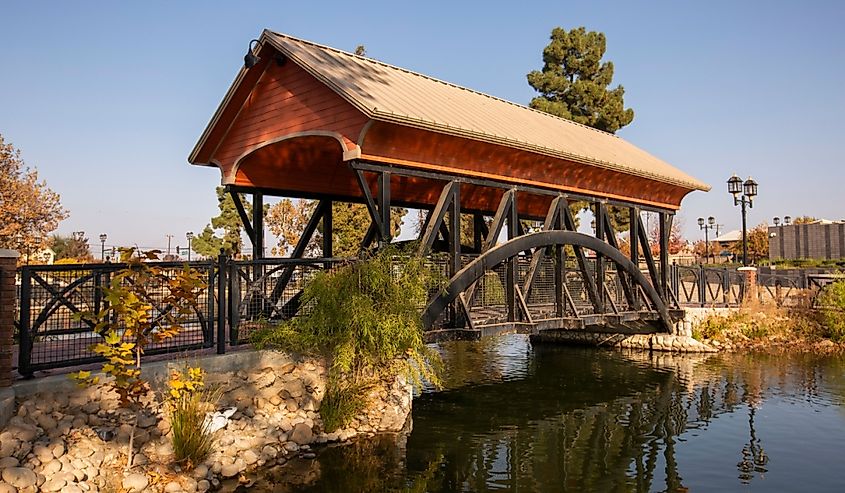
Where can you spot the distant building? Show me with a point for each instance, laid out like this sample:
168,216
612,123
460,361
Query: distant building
821,239
725,242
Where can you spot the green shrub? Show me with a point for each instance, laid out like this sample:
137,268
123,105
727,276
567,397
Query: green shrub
714,327
365,318
831,304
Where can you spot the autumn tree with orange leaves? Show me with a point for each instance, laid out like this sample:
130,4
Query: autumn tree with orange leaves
29,210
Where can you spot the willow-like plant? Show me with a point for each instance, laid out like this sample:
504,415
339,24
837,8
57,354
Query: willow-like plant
365,317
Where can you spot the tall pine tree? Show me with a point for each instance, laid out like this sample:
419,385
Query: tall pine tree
573,84
208,243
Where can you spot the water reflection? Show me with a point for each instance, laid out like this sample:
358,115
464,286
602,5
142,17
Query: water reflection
517,418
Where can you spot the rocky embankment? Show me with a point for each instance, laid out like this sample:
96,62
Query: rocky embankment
77,441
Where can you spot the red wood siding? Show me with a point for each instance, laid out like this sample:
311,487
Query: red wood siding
287,100
417,148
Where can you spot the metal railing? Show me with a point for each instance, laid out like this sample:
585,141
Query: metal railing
50,333
237,298
725,287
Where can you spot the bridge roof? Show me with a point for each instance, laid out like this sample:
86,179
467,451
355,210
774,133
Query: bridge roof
393,94
384,94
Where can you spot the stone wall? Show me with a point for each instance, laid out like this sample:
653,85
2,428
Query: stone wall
680,341
648,342
62,438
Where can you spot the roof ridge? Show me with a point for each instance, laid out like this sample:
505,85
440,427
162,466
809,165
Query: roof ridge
435,79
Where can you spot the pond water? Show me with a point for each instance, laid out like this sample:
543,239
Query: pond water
517,417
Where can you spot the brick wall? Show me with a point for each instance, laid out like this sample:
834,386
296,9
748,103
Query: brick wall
8,263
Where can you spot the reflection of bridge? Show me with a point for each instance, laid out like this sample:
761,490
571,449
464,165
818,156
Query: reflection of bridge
307,121
616,427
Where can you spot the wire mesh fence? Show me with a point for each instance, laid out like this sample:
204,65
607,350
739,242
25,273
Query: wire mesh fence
51,333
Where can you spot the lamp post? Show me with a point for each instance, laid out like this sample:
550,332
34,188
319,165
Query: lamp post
103,238
190,236
710,224
743,194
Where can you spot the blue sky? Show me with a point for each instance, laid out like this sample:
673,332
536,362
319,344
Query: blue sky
107,99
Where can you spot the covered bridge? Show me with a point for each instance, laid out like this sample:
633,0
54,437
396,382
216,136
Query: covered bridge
310,121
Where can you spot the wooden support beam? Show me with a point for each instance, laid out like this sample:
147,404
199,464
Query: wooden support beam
257,236
478,231
466,311
386,233
328,233
600,217
505,204
552,221
649,258
623,279
369,237
239,205
372,207
522,304
589,281
510,267
299,250
665,231
454,243
435,217
633,241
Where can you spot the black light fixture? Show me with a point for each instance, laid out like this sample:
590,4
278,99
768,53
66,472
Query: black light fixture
750,188
190,236
251,59
735,185
103,238
743,194
787,220
707,226
776,220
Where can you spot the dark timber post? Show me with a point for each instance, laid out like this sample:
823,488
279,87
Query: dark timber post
560,260
600,218
478,232
256,304
633,241
454,243
510,269
328,234
258,225
384,208
221,303
665,229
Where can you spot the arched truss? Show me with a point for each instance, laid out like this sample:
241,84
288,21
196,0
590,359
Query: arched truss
467,276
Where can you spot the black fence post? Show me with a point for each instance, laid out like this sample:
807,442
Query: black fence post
208,333
221,303
702,285
234,300
25,331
